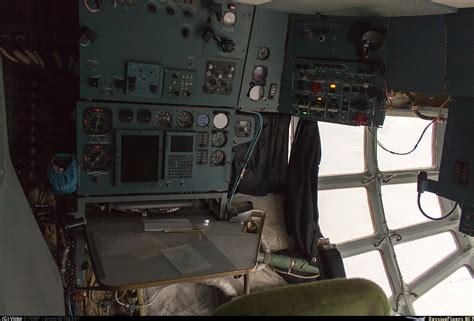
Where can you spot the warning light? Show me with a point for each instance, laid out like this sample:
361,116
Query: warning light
319,98
305,113
332,86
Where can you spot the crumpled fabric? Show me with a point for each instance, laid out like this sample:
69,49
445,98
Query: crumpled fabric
63,181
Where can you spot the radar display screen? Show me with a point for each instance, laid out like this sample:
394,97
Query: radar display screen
140,156
182,144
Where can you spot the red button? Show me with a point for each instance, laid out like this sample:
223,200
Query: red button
316,87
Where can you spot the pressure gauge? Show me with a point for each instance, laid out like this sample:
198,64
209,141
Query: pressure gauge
229,19
219,139
217,158
220,121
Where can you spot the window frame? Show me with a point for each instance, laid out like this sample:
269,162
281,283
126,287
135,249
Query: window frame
383,240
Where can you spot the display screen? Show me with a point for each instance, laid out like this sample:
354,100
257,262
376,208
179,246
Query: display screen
182,144
140,156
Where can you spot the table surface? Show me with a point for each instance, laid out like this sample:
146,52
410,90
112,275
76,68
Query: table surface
125,256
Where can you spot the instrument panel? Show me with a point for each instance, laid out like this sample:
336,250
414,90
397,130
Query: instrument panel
129,149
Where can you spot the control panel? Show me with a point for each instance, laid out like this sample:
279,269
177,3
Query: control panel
147,149
161,51
264,64
333,70
341,92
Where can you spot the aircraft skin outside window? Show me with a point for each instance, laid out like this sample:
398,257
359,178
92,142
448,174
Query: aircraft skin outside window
367,205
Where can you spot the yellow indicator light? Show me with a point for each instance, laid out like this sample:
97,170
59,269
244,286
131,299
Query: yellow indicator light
319,98
332,86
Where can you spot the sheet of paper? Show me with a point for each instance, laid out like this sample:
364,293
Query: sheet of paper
185,259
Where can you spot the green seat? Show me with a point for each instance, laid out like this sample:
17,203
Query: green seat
328,297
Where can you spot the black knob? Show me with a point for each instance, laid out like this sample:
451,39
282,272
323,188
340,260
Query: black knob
185,33
169,11
151,8
228,45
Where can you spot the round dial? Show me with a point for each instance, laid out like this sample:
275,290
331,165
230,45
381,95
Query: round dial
259,73
219,139
97,121
203,120
185,119
217,158
263,53
97,157
220,121
256,93
163,119
144,116
229,19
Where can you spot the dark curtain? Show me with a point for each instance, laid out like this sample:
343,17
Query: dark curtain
267,168
301,197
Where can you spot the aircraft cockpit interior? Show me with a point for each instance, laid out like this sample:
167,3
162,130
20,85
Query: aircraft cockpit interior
237,157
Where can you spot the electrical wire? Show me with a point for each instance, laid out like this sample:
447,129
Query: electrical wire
416,110
253,144
126,305
430,217
306,277
405,153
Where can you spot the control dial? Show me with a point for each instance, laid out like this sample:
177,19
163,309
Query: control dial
185,119
163,119
217,158
97,121
220,121
97,157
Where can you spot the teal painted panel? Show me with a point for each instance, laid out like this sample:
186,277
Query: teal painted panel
172,41
268,31
176,145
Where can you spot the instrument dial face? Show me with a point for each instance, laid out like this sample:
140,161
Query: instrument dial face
185,119
220,121
97,157
217,158
163,119
259,73
229,19
97,121
219,139
144,116
203,120
263,53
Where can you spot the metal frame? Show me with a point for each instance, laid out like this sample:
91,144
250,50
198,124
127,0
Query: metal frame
404,294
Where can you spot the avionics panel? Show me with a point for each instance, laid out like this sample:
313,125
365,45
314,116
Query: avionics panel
264,64
334,70
150,149
169,52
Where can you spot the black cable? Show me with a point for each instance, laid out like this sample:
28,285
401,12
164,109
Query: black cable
414,147
434,218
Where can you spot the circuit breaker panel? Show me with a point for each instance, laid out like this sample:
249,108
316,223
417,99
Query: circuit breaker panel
170,52
334,70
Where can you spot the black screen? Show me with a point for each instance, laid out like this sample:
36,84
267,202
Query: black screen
182,144
139,158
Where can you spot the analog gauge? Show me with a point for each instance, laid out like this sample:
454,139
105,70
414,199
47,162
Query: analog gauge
97,157
163,119
256,93
125,115
220,121
229,19
185,119
203,120
219,139
217,158
263,53
259,73
97,121
144,116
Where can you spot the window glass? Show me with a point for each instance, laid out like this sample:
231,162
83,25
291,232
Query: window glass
453,296
400,134
342,149
401,208
368,266
344,214
416,257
